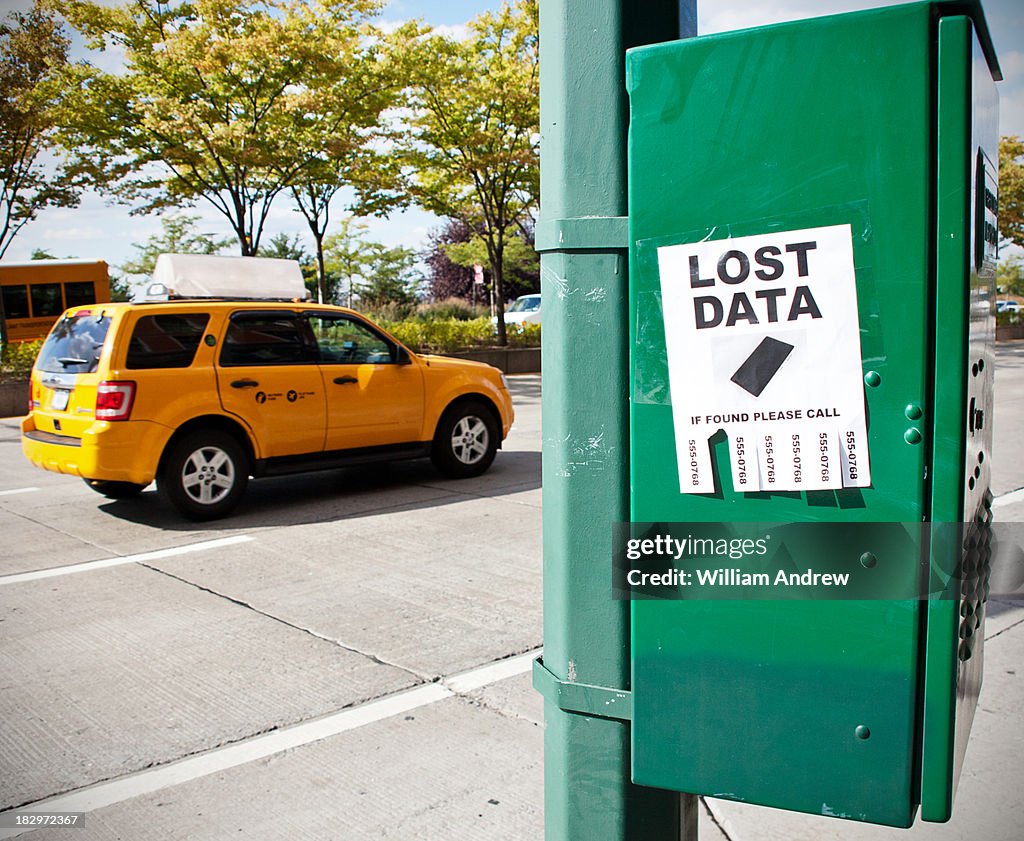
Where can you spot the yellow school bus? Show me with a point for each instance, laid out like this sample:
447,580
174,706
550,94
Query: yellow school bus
34,294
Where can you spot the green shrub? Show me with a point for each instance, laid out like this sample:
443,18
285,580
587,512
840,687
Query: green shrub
450,308
445,335
390,311
17,359
523,335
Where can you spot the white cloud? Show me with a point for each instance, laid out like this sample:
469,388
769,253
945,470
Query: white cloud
1011,112
77,233
1012,64
111,60
459,31
389,26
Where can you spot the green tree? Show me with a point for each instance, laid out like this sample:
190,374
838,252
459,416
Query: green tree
349,257
178,236
350,156
43,254
520,257
1010,276
283,247
392,279
33,64
120,287
217,99
475,123
1011,189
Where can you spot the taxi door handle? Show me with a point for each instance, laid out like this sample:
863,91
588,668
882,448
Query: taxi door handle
345,380
244,384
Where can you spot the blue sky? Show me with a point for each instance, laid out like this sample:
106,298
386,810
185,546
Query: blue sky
99,230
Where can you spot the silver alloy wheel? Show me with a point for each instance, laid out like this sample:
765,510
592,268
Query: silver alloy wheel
470,439
208,475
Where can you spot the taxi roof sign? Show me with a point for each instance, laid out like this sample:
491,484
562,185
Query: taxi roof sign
212,276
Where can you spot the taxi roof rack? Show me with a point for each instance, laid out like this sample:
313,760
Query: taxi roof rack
156,294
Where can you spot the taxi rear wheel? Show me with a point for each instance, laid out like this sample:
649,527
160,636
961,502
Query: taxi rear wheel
466,441
115,490
204,474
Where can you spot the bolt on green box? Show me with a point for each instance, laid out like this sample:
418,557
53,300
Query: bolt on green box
812,229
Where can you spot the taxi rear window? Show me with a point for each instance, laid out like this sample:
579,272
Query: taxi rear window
166,341
74,345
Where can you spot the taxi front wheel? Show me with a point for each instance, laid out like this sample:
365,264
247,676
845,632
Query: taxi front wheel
466,441
204,475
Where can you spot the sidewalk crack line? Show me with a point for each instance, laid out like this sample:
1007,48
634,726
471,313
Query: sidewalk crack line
241,603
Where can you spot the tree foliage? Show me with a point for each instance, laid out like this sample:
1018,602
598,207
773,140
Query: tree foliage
352,156
473,149
178,236
219,99
392,279
370,273
521,264
43,254
349,256
1010,276
1011,189
448,279
33,64
120,287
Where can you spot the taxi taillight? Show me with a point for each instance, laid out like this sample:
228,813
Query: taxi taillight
114,400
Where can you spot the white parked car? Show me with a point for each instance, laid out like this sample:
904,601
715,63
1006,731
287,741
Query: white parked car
524,310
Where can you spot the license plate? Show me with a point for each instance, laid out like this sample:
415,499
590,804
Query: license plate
59,400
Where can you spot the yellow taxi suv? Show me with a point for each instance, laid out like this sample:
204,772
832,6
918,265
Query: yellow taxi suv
205,388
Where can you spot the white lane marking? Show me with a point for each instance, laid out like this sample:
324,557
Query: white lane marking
35,575
1009,499
18,491
486,675
287,738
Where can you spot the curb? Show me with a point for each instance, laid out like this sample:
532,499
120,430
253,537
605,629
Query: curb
507,360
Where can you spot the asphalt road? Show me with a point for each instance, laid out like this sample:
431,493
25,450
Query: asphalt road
347,657
336,660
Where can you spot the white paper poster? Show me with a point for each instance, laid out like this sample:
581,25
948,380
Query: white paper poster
763,342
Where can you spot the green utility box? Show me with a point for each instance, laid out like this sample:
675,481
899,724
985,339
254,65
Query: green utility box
812,231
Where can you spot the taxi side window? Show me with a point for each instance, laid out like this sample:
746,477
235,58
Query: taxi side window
267,339
166,341
347,341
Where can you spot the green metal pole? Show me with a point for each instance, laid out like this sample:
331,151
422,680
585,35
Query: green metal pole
582,236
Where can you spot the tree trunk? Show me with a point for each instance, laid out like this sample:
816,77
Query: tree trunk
321,272
498,279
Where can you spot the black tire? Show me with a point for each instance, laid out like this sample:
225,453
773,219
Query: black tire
115,490
204,474
466,440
